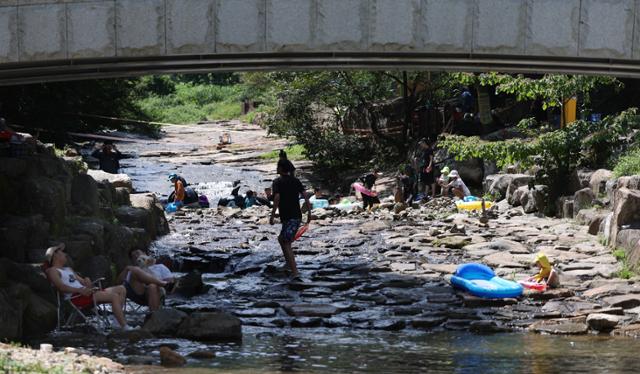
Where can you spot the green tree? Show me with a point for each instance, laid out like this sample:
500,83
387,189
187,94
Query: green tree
552,89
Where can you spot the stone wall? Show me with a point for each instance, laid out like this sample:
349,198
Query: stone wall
47,200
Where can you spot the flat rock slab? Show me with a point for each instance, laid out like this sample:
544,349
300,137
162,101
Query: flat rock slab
623,301
427,322
441,268
479,302
311,310
632,330
553,293
389,325
500,245
256,312
336,286
455,242
306,322
567,308
574,326
403,266
508,260
612,289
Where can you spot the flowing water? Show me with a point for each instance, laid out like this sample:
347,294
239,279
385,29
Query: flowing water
349,350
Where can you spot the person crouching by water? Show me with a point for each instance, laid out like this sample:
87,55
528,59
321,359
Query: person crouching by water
457,186
369,181
80,290
547,273
443,181
286,199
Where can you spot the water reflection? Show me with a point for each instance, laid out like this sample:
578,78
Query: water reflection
336,351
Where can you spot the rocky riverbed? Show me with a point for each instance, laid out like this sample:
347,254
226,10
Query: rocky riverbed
380,275
388,269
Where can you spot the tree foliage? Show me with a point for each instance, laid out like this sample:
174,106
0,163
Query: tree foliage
314,107
555,153
62,106
552,89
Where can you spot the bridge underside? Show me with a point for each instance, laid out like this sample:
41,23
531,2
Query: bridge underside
115,67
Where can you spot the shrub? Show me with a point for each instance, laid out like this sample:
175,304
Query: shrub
192,103
629,164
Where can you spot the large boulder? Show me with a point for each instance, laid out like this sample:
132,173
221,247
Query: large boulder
560,202
157,220
121,196
135,217
91,228
107,196
13,302
583,199
602,321
171,358
593,218
489,180
516,196
534,199
500,182
471,171
598,181
84,194
48,197
19,234
579,179
190,284
629,240
40,316
28,275
97,267
116,180
515,183
79,251
211,326
626,211
631,182
164,322
118,240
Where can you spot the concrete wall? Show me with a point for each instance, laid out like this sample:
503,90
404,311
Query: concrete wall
46,30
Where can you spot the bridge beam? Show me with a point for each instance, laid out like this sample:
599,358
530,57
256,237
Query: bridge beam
100,38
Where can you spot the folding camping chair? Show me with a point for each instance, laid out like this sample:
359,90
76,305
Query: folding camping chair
132,307
69,311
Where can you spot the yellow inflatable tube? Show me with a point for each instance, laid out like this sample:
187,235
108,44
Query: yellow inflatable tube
473,205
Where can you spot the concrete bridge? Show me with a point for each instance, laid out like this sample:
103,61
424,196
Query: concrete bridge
47,40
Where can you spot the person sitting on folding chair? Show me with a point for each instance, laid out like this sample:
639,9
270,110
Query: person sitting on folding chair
80,290
142,287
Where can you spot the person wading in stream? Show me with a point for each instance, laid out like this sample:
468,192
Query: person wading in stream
286,198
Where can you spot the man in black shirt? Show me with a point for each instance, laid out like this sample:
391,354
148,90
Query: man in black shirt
109,157
286,198
426,167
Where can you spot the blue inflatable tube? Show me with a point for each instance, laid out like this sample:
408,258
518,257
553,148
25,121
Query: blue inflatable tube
479,280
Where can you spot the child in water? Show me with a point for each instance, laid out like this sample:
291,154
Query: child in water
547,273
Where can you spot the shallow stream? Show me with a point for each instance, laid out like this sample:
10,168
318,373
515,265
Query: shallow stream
275,349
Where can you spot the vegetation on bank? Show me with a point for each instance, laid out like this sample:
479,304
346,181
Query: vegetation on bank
555,153
9,365
294,152
626,271
168,100
628,164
